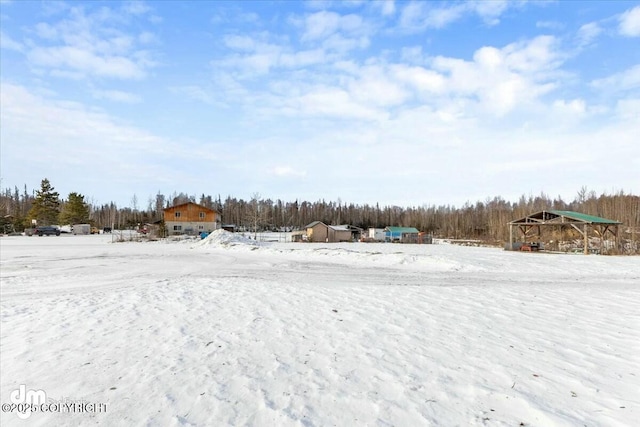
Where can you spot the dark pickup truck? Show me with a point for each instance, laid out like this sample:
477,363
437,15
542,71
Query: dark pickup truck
47,231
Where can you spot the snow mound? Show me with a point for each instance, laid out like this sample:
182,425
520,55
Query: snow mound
226,238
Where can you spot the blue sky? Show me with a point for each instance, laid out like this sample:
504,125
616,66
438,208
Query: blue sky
398,103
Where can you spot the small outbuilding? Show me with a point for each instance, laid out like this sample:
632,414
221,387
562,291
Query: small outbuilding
402,234
583,223
318,231
375,235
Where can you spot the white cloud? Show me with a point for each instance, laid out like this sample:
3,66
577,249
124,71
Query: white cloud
412,54
328,37
630,22
194,92
537,55
489,57
496,82
328,87
419,78
501,79
576,107
303,58
136,7
629,109
117,96
490,11
147,37
46,31
417,16
352,24
504,96
240,42
387,7
80,60
255,58
318,4
588,33
65,74
552,25
332,102
321,25
441,17
19,106
129,157
8,43
91,44
287,171
343,45
619,82
421,15
258,63
45,125
374,87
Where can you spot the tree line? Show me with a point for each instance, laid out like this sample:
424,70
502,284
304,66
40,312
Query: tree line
482,220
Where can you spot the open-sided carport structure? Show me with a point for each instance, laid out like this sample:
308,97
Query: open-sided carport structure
560,219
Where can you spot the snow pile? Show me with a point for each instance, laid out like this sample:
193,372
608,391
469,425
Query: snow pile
433,258
226,239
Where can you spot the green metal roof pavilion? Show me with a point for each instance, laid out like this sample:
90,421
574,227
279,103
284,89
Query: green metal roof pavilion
554,218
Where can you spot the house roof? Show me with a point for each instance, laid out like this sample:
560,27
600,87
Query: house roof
558,217
190,203
340,227
402,229
350,227
313,224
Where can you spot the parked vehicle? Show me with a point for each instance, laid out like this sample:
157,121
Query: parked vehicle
94,230
81,228
65,229
47,231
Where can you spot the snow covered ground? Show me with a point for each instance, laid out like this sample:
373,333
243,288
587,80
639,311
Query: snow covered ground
229,331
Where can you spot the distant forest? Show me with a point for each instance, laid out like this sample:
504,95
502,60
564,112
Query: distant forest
483,220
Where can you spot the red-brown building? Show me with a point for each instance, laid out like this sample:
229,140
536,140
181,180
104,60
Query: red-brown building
191,218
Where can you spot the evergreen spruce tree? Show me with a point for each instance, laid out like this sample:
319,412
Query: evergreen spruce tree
46,205
75,210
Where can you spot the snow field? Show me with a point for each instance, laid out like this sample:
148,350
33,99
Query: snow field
230,332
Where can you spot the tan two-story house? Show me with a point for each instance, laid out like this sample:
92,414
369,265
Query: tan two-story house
191,218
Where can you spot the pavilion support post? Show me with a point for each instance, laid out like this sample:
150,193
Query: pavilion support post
586,238
510,237
602,231
603,247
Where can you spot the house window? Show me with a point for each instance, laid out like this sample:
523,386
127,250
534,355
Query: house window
202,215
177,227
201,227
177,214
